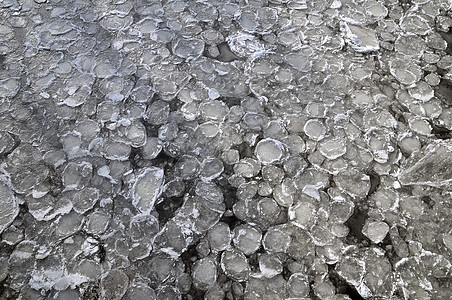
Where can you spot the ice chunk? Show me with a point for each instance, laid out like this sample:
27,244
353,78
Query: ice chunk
246,45
235,265
269,265
248,20
231,156
83,200
158,112
376,231
299,61
415,24
219,236
187,167
422,91
97,222
189,49
47,273
247,167
432,168
375,8
214,293
269,151
352,270
267,17
211,168
168,132
47,207
420,125
69,224
298,285
147,188
209,191
315,129
77,176
204,273
9,87
209,129
136,134
139,291
361,39
406,72
88,129
174,188
247,239
362,98
152,148
355,183
9,207
6,142
303,214
282,196
116,150
276,239
333,148
213,110
115,284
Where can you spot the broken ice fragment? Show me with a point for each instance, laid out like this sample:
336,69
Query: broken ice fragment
247,239
247,167
204,273
136,134
276,239
235,265
352,270
415,24
139,291
409,143
211,168
405,72
189,49
97,222
146,189
422,91
333,148
376,231
298,285
158,112
152,148
219,236
303,214
69,224
116,150
9,87
114,284
355,183
420,125
432,169
315,129
299,61
362,98
361,39
77,176
269,265
375,8
83,200
269,151
246,45
209,191
9,208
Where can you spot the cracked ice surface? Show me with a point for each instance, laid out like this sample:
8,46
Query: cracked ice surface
237,149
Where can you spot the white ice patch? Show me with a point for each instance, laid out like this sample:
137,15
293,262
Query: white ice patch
146,189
